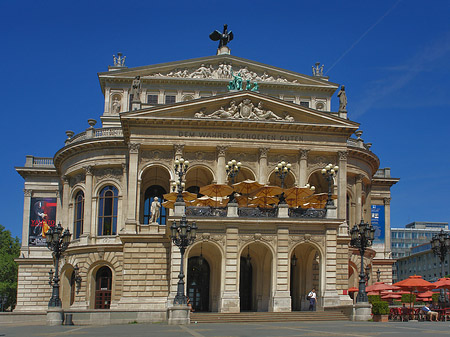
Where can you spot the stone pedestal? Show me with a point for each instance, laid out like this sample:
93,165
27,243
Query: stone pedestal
55,316
232,210
281,301
331,212
223,50
283,211
331,299
230,302
362,311
179,315
179,208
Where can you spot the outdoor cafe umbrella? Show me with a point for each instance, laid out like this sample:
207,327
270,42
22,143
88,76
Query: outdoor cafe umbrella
168,204
267,191
211,201
426,294
443,283
319,200
295,196
246,187
391,296
380,286
216,190
414,283
265,202
187,196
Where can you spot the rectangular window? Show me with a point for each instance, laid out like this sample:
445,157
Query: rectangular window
152,99
170,99
305,104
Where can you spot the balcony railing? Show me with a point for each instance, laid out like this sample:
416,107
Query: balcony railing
95,133
254,212
41,162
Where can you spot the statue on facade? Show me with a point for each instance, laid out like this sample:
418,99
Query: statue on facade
116,105
155,210
119,61
236,82
136,89
264,114
317,70
342,99
223,38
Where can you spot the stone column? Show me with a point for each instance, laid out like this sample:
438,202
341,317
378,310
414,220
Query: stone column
262,172
65,203
303,168
330,296
387,228
130,223
88,224
121,224
26,220
220,169
281,301
342,185
358,210
229,300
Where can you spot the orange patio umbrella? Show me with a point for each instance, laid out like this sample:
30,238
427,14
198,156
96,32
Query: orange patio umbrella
443,283
353,290
414,283
391,296
267,191
187,196
319,200
425,294
216,190
247,186
380,286
265,202
295,196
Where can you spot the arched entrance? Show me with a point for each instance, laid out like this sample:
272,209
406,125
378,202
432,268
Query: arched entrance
204,276
103,286
198,283
255,277
305,274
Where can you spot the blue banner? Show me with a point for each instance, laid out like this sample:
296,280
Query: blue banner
378,223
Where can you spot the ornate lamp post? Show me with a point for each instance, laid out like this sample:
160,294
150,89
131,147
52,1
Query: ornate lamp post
361,238
367,274
440,243
378,275
282,170
181,166
182,234
57,242
233,169
329,172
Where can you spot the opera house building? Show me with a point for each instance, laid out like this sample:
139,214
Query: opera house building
273,216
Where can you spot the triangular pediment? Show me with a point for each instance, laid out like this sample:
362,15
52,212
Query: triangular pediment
242,109
217,69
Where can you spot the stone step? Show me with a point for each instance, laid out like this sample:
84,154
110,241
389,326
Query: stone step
209,317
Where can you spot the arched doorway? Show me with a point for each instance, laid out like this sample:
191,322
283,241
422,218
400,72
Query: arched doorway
150,193
305,274
198,283
103,286
255,277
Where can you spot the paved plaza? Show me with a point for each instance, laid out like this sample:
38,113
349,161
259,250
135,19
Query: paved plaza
279,329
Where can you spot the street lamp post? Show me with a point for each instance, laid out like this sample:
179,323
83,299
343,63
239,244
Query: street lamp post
440,243
282,170
57,242
362,237
233,169
329,172
181,167
182,234
378,275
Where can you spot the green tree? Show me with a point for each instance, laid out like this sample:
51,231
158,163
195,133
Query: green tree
9,250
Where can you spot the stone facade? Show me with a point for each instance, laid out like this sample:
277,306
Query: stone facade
102,180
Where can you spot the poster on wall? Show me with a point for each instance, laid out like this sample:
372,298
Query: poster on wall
42,217
378,223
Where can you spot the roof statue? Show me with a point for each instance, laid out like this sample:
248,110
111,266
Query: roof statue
119,61
317,70
223,39
342,99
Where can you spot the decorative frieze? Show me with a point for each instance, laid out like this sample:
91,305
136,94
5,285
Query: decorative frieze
108,174
178,149
221,150
244,239
79,178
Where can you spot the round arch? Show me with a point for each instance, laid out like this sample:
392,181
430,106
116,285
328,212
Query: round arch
67,284
155,174
317,180
289,181
245,173
199,175
91,281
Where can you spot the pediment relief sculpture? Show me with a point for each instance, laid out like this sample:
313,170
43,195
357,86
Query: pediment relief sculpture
223,71
244,110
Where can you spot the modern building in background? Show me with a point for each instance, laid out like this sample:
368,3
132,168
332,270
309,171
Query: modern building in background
412,249
210,110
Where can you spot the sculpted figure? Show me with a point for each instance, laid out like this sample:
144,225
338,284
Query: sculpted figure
342,99
201,72
201,113
221,113
265,114
155,210
136,88
255,86
115,105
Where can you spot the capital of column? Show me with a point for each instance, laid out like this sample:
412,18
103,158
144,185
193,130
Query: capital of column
303,153
387,201
134,147
359,178
27,193
88,170
263,152
124,167
221,150
65,179
342,155
179,149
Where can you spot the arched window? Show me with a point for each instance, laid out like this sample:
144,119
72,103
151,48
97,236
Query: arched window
107,211
150,193
78,214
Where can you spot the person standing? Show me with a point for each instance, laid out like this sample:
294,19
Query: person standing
312,299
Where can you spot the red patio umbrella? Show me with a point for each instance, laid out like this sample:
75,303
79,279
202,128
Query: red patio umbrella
380,286
443,283
414,283
353,290
425,294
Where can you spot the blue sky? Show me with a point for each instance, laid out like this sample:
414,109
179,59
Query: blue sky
392,56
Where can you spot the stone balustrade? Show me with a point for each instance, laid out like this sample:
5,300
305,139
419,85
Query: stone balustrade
95,133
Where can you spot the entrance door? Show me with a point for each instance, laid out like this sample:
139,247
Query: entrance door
198,283
103,281
245,285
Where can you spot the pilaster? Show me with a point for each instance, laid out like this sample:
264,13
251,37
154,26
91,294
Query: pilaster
387,228
229,300
281,301
303,167
26,219
358,209
221,173
262,172
133,161
330,296
88,224
342,185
